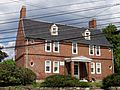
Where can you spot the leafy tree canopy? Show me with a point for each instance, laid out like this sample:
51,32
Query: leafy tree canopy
114,39
3,55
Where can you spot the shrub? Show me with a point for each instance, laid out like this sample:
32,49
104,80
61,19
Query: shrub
111,80
63,81
11,75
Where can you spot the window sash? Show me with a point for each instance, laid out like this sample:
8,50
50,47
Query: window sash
55,66
98,68
97,49
47,66
92,68
91,49
54,30
47,46
87,35
74,48
56,47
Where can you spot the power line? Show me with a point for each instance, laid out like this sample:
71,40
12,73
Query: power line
47,7
43,41
48,13
44,32
15,29
64,12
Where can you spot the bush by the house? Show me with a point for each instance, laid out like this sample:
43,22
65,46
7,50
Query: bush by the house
11,75
63,81
111,80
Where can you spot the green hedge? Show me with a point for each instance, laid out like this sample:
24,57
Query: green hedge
63,81
11,75
111,80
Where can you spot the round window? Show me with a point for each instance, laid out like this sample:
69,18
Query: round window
31,63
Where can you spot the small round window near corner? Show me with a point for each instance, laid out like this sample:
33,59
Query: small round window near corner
110,67
32,63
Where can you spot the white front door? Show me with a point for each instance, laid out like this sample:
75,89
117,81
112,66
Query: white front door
76,70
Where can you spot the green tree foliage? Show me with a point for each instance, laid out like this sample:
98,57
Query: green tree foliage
11,75
2,54
114,39
63,81
111,80
9,62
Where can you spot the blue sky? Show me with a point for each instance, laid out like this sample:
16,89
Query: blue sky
9,6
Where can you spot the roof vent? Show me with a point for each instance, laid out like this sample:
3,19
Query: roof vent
54,30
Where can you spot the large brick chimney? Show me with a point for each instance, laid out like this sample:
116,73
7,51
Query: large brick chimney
92,23
23,12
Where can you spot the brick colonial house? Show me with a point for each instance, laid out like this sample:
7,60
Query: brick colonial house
49,48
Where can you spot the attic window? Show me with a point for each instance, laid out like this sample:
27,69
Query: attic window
87,34
54,30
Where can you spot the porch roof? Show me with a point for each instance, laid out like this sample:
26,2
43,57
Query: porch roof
78,59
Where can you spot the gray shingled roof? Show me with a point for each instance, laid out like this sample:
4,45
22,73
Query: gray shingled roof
41,30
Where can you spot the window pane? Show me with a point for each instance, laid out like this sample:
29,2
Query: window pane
91,50
48,48
56,46
56,67
74,48
47,63
47,68
98,68
92,68
97,50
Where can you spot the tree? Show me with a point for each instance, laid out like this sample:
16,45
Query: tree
2,54
12,75
114,39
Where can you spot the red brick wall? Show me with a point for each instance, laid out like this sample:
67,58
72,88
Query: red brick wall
38,56
39,65
20,48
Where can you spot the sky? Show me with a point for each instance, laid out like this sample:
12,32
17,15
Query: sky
80,12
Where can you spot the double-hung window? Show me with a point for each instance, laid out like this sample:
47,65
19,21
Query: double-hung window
55,66
47,46
97,50
91,49
56,47
92,68
74,48
98,68
47,66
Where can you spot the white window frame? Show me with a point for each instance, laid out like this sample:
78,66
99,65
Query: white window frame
47,65
54,30
93,66
76,47
87,35
97,48
90,49
54,45
97,68
46,44
54,66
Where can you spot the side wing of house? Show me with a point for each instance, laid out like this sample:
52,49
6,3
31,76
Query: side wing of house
20,41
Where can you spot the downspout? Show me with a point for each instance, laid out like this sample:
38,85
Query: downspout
64,68
113,62
26,55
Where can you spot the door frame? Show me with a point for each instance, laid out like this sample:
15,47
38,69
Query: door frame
77,76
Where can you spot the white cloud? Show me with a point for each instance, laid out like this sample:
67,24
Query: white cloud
9,51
